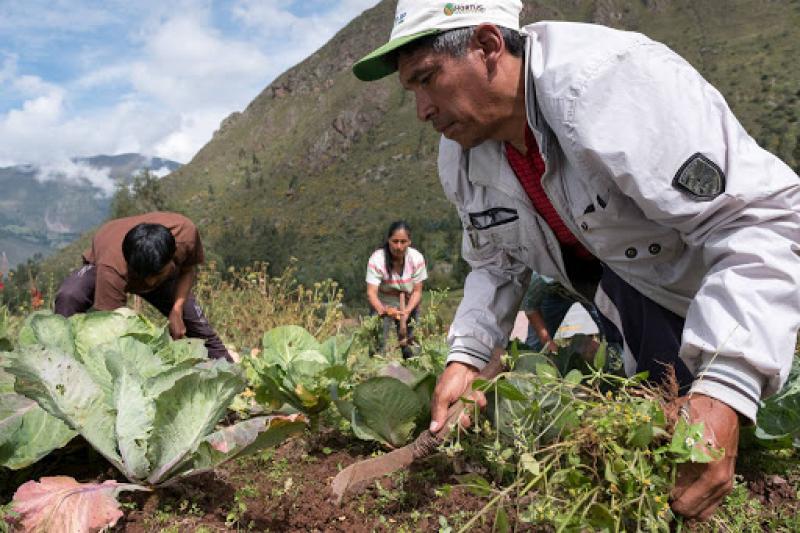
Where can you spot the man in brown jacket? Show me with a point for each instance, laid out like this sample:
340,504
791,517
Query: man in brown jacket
153,255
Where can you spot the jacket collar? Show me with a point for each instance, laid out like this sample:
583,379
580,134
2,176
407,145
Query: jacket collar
536,121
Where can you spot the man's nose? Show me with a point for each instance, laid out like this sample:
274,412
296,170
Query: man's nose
425,107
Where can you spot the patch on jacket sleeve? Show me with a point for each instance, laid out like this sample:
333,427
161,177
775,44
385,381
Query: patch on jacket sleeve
700,177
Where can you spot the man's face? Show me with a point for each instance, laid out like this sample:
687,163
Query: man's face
451,93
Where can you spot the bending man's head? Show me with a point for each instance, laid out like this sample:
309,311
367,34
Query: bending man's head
148,251
463,63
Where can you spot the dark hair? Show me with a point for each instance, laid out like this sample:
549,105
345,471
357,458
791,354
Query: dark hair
455,42
387,253
148,248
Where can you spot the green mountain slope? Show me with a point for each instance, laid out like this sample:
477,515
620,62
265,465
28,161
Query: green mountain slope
320,163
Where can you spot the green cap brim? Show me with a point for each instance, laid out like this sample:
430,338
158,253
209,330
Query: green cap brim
381,62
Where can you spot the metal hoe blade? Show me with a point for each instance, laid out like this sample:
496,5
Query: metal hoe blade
361,473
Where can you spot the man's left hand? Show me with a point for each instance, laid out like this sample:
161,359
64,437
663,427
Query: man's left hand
701,487
177,329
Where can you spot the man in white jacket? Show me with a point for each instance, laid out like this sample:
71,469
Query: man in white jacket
603,160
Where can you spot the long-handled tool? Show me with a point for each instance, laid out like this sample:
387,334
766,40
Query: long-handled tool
361,473
403,329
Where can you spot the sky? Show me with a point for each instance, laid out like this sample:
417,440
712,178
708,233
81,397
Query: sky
89,77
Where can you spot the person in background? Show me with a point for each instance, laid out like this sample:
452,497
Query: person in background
153,255
396,271
546,303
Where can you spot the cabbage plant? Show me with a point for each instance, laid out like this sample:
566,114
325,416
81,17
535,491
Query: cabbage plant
296,369
148,404
390,408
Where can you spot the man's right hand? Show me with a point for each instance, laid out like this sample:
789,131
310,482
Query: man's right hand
454,382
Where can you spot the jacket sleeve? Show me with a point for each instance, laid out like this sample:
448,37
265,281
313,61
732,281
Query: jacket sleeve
492,290
740,330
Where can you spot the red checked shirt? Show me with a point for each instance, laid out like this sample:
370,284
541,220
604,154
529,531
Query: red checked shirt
529,169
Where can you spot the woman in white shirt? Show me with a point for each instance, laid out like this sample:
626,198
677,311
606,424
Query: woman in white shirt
396,269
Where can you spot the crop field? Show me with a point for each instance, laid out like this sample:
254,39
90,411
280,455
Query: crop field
163,439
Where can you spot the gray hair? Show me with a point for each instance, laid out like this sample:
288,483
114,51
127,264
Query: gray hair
455,42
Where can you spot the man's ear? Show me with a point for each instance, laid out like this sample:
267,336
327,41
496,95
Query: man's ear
489,41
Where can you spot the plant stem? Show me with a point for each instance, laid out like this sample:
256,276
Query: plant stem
575,508
502,494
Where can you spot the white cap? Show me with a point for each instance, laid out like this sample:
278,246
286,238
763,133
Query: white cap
418,18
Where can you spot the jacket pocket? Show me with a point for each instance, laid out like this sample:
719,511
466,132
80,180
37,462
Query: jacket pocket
493,217
497,227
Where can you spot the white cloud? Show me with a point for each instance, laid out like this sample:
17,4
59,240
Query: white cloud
103,76
67,170
160,172
57,16
187,64
300,35
190,135
161,88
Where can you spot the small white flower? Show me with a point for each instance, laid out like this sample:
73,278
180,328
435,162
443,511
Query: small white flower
689,441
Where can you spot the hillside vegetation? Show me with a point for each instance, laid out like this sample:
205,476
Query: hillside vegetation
319,163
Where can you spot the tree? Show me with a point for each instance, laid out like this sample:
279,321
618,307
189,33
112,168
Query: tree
143,195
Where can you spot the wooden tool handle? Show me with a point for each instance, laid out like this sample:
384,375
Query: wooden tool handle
403,321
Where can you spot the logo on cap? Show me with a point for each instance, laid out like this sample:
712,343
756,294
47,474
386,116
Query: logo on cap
451,9
400,18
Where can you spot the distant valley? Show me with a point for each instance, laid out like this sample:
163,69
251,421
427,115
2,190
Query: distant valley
42,212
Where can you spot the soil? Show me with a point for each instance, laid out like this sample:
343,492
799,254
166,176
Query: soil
289,490
770,488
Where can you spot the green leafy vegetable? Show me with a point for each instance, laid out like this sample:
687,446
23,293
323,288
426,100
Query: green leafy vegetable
390,408
149,405
27,432
386,409
295,369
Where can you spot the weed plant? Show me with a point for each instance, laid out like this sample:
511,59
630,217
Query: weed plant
244,303
587,451
9,326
